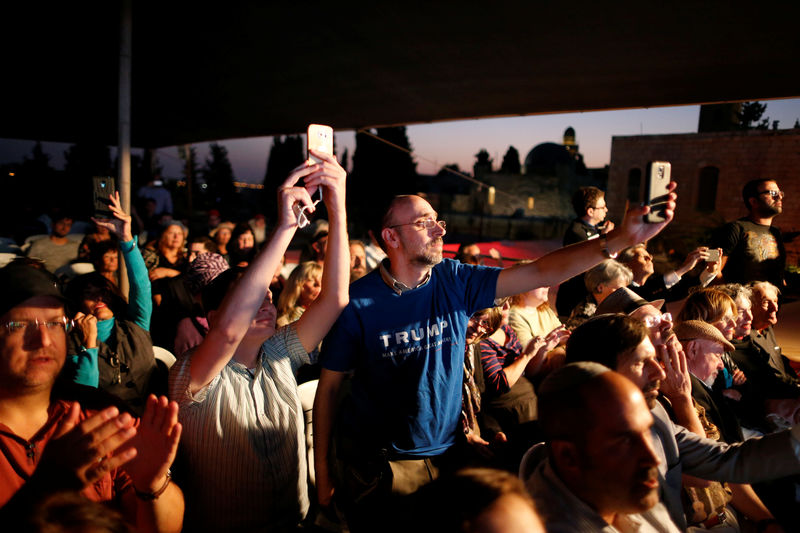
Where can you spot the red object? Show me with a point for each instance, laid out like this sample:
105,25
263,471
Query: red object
512,250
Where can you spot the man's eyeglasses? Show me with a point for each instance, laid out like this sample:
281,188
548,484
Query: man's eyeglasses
26,326
655,321
428,223
601,207
772,194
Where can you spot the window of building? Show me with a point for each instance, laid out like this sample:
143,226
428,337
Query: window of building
707,189
635,185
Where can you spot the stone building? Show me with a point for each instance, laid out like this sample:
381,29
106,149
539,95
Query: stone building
551,173
710,169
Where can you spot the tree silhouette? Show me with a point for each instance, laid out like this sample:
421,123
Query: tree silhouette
345,160
217,172
286,154
83,161
750,116
380,171
511,163
483,164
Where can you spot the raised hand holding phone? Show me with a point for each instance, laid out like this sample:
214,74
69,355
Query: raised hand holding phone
320,140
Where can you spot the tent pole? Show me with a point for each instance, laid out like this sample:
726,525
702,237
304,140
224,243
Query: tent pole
124,118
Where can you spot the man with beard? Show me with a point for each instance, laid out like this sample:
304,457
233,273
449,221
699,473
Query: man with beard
402,338
601,469
358,260
752,247
625,344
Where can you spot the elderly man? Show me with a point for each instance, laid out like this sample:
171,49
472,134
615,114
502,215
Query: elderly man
765,317
756,352
51,442
624,344
601,471
705,346
402,338
752,247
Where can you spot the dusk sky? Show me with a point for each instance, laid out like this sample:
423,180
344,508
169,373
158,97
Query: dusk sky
458,141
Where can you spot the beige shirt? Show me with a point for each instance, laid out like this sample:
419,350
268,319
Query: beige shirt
529,322
244,441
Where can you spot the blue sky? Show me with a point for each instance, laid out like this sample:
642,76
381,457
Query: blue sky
458,141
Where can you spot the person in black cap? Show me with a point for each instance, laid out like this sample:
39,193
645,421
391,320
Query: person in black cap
55,438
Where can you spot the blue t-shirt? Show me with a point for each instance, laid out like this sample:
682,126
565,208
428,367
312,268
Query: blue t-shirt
407,353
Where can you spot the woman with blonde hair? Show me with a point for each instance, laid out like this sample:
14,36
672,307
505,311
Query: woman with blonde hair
167,258
302,288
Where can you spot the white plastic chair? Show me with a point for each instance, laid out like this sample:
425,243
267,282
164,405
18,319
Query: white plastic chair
164,355
307,391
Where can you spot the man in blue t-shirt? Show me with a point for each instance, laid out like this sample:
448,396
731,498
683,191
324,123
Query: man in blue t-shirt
402,338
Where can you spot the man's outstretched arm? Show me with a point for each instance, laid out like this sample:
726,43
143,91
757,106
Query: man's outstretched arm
565,263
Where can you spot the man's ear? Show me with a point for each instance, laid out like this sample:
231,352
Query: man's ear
390,238
599,288
689,350
565,456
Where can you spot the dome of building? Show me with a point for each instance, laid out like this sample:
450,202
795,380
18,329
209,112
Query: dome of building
546,157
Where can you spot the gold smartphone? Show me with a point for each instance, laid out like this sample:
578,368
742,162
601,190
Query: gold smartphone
656,193
320,139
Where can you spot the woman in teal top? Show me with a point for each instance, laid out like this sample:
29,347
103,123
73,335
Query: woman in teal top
110,347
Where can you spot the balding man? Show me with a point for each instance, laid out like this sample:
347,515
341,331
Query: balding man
601,471
402,337
624,344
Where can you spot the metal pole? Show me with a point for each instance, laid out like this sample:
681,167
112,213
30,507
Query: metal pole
124,117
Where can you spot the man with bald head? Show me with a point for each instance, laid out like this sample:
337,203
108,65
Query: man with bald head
625,344
601,469
402,337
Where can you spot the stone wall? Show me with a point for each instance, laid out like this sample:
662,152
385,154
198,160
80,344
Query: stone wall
739,156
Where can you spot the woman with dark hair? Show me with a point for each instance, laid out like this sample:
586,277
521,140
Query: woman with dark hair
166,258
509,399
110,346
242,246
104,256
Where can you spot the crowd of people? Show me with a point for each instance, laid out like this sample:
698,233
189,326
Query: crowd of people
448,395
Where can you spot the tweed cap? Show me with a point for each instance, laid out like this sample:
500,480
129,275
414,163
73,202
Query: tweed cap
624,300
690,330
203,270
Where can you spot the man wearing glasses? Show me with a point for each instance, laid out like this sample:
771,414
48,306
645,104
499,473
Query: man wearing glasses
591,210
49,442
402,337
752,247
